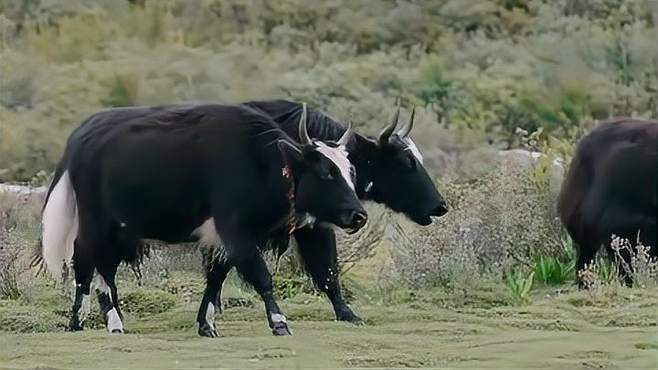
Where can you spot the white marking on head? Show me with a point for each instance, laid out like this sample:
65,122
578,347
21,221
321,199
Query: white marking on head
411,146
114,323
210,315
207,233
338,156
277,317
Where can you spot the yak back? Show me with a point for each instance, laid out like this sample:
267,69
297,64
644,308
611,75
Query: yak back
164,170
610,186
286,114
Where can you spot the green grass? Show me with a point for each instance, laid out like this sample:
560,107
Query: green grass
549,333
479,327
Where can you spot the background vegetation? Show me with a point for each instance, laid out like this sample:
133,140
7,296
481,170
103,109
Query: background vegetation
479,68
485,75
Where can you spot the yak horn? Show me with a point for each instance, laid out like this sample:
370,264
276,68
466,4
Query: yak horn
303,134
388,130
406,129
347,136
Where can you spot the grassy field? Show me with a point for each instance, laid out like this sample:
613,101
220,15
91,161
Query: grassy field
474,329
487,286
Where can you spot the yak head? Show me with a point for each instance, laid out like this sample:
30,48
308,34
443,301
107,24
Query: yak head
390,171
324,179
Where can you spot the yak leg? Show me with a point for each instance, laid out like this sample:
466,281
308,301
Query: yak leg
254,270
216,271
83,268
317,248
106,291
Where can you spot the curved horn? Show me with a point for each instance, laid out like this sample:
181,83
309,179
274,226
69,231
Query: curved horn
347,136
304,139
388,130
406,129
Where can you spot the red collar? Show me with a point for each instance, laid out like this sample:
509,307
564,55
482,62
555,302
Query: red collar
286,172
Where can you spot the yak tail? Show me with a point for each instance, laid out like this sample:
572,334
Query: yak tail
59,224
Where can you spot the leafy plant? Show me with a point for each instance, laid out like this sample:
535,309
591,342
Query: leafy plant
553,271
550,270
519,286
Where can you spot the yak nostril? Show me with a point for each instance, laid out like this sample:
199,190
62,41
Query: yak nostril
359,218
440,210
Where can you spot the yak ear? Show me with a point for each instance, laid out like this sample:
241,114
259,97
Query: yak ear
364,145
292,154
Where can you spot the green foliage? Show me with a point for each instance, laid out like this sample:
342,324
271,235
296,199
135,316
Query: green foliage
121,93
146,302
481,68
519,286
607,270
553,271
30,319
557,269
289,286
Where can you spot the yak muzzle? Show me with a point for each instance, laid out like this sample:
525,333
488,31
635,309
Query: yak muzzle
353,221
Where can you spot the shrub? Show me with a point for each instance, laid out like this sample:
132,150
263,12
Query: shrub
642,267
501,220
18,235
30,319
485,66
9,274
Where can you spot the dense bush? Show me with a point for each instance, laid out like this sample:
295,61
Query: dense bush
483,68
505,219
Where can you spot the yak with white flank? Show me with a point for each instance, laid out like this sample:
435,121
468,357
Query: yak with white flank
183,173
389,170
610,188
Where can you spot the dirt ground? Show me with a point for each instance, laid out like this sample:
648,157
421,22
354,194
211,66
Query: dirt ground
557,331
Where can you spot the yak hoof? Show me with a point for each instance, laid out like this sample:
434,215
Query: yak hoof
206,330
281,329
116,331
75,327
351,318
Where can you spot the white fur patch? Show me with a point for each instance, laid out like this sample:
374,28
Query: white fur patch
339,157
59,226
114,321
210,315
411,146
277,317
207,233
